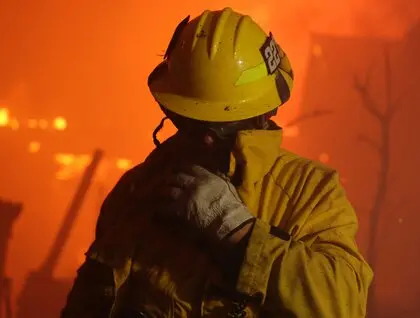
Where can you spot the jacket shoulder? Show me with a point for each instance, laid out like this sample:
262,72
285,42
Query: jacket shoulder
293,173
315,196
132,184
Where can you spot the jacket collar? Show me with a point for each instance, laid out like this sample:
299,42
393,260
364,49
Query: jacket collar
254,153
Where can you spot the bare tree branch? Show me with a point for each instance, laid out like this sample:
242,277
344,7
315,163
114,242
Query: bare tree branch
391,102
388,79
370,142
308,115
367,101
384,151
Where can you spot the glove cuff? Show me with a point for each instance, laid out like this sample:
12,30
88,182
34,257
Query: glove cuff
233,219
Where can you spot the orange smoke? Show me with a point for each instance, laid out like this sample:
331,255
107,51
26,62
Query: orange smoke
89,63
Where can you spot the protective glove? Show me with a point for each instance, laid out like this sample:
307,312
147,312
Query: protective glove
206,202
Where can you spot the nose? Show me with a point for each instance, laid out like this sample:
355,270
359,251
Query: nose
208,140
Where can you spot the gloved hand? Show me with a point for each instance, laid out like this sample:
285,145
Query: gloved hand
204,201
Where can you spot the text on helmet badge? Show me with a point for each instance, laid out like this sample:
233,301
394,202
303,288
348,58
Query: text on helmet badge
272,54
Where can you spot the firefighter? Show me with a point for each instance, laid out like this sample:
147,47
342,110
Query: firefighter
219,220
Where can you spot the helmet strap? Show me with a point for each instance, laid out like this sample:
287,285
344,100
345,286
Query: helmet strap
156,131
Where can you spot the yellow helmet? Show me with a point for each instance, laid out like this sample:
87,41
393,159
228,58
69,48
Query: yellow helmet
222,67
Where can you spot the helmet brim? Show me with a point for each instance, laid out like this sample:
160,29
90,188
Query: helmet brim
211,111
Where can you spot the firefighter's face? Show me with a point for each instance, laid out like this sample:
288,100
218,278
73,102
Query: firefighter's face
207,140
206,148
204,136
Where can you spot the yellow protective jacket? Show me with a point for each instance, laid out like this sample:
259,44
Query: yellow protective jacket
319,272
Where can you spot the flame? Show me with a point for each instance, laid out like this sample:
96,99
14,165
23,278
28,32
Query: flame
34,146
63,175
14,124
43,124
32,123
64,159
4,117
124,164
60,123
70,165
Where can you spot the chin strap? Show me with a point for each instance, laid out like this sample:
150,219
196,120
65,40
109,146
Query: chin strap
156,131
225,131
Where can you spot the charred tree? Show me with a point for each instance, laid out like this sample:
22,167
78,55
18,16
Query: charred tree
9,212
383,117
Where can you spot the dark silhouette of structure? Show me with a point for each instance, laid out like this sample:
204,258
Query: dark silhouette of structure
43,296
9,212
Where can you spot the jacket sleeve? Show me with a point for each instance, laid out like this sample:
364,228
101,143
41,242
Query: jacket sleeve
319,273
92,293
